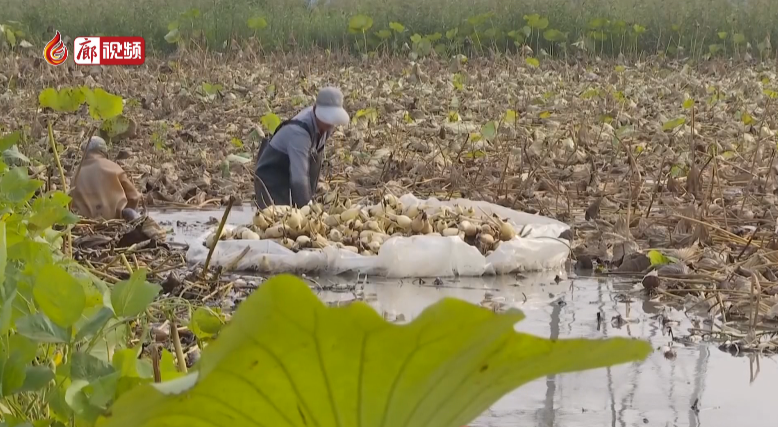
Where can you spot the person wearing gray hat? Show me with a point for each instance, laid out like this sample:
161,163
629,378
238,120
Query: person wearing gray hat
289,162
102,190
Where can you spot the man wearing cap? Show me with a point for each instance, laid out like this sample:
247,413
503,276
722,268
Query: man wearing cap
289,164
101,187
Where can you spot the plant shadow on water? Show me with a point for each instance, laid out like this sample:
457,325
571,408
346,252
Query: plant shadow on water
692,385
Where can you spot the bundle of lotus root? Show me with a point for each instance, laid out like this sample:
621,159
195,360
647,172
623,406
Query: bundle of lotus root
363,230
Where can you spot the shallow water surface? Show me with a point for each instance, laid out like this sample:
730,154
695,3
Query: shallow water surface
188,225
655,392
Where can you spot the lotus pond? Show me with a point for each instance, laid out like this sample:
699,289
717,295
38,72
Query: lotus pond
692,381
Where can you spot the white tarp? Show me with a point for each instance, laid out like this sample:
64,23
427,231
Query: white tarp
415,256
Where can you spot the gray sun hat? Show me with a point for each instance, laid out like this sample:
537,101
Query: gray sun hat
329,107
96,145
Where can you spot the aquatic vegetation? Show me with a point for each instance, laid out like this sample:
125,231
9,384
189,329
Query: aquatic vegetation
605,27
287,358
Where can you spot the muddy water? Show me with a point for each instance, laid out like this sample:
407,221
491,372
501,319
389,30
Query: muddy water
655,392
188,225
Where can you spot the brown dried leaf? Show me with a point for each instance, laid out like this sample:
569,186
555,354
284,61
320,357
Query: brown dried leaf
634,263
593,211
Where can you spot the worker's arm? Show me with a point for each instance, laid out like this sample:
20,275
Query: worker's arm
298,148
132,195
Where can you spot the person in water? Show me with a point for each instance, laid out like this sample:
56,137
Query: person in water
102,190
289,163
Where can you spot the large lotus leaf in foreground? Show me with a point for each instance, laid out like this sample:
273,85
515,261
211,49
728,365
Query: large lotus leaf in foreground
286,359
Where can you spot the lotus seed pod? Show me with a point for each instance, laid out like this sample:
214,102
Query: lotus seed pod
450,232
318,241
335,235
287,243
411,211
332,220
403,221
303,241
427,228
390,200
376,210
367,233
381,237
260,220
249,235
227,234
330,197
276,231
294,220
486,239
417,225
507,232
468,228
314,226
337,210
349,214
486,229
269,212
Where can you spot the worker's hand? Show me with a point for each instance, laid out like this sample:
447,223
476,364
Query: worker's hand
130,214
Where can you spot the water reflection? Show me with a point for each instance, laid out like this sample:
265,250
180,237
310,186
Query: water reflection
702,386
656,392
546,415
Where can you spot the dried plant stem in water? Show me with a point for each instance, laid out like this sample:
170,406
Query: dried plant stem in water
218,233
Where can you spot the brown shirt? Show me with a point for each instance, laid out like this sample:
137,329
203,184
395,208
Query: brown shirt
102,189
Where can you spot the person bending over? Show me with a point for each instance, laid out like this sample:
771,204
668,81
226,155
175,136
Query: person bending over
102,190
289,163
